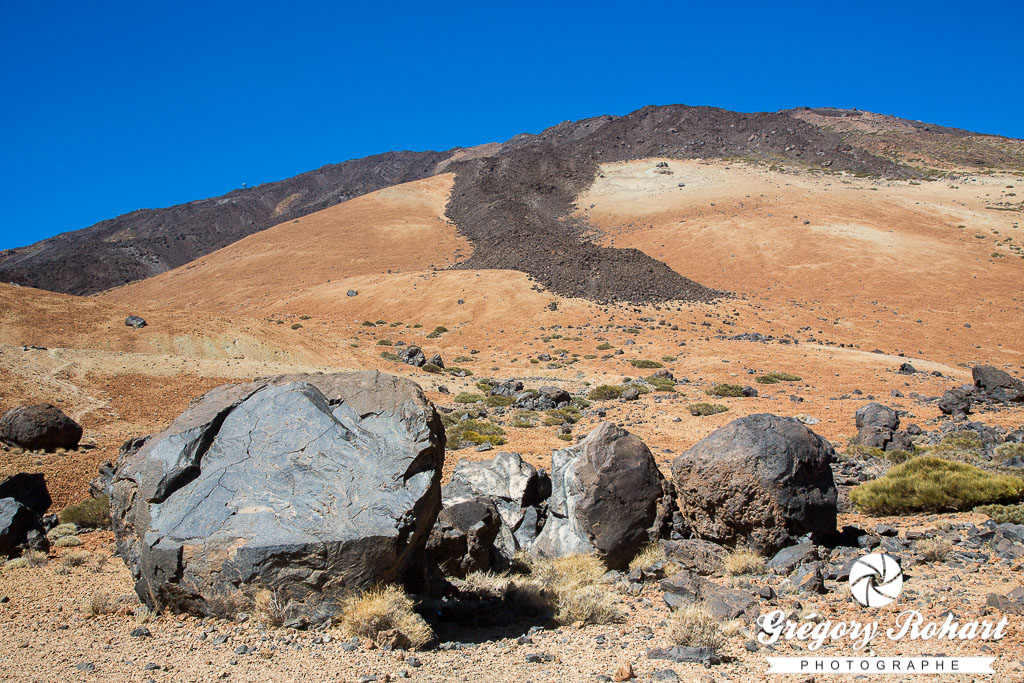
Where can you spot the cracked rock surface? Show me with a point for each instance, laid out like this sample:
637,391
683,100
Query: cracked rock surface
304,485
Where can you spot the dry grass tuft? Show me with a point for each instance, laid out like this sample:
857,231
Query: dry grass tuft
576,589
62,530
381,609
75,558
933,549
742,561
98,604
649,555
695,626
269,609
67,542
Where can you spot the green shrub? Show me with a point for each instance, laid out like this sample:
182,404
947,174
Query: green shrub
668,359
1009,450
367,323
383,342
431,368
484,385
733,390
466,397
645,364
454,370
776,377
565,437
93,513
962,445
473,431
604,346
704,409
389,355
1000,514
498,401
929,484
662,383
557,416
605,392
297,326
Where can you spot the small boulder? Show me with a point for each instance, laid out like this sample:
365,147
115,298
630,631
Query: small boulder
412,355
18,524
135,322
39,427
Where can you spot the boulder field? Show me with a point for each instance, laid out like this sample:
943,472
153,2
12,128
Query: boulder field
313,486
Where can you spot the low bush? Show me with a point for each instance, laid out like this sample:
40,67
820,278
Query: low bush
462,372
930,484
704,409
431,368
93,513
387,608
558,416
1006,451
477,432
1000,514
576,588
776,377
498,401
662,383
383,342
605,392
98,604
604,346
645,364
723,390
466,397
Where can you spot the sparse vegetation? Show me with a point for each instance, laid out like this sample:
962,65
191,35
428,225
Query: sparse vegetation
776,377
98,603
75,558
557,416
431,368
604,346
605,392
742,561
67,542
649,555
930,484
704,409
93,513
466,397
577,589
269,609
498,401
471,431
1000,514
387,608
645,364
933,549
724,390
661,383
695,626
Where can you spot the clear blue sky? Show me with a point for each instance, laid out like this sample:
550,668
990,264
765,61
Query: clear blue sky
107,107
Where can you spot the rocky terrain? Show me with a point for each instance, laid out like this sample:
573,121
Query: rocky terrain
485,425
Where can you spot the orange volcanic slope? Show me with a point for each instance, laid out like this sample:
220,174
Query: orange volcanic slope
397,229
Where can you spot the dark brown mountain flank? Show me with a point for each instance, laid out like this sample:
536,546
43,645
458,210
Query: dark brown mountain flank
515,205
148,242
514,200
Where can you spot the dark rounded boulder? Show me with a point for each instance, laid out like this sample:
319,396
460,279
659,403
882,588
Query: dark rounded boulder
761,481
39,427
997,384
305,485
607,496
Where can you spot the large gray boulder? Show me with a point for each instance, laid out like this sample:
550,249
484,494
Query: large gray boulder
997,384
879,427
39,427
305,485
517,490
761,481
607,496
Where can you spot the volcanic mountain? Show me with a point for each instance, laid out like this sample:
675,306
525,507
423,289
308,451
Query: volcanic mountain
517,202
